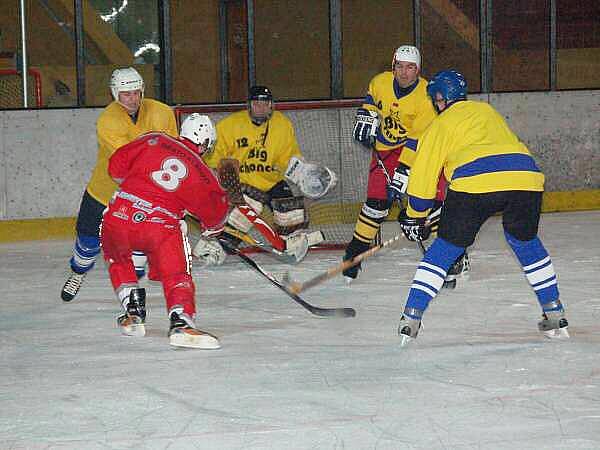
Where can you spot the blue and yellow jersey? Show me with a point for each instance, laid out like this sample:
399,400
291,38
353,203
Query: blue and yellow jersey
114,129
478,153
404,113
264,151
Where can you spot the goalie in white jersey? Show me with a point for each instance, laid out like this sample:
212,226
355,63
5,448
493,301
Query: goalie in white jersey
262,143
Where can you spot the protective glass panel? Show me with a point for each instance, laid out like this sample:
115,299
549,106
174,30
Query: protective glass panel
195,51
450,36
578,44
370,35
120,33
292,48
50,55
520,36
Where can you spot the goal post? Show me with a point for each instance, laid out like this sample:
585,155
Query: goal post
11,86
324,133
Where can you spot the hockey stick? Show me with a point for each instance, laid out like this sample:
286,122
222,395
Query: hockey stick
321,312
246,238
297,287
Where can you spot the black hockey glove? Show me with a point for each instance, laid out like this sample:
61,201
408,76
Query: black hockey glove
413,228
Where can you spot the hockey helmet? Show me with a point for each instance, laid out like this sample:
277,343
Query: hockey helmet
200,130
450,84
407,53
261,94
126,79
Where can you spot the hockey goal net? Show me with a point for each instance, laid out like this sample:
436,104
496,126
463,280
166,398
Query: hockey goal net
324,133
11,87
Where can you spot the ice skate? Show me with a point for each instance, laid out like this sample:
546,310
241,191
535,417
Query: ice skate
354,249
183,332
408,329
132,321
71,287
460,268
554,325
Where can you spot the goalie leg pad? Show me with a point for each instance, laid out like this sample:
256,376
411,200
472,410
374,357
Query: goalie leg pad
296,245
289,214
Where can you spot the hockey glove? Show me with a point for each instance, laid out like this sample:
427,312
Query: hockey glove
312,180
365,128
414,228
433,218
397,189
209,252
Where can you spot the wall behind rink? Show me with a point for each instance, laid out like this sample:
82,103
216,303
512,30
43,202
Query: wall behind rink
46,156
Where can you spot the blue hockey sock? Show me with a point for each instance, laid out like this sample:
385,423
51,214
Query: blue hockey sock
85,252
432,270
538,268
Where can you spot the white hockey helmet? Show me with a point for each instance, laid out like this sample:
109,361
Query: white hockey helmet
127,79
200,130
407,53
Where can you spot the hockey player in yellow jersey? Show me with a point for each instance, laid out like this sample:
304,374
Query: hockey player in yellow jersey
489,171
127,117
396,110
264,143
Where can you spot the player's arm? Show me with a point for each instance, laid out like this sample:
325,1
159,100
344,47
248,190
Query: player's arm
425,172
120,162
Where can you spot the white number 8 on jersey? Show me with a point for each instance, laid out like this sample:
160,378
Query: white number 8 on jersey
173,170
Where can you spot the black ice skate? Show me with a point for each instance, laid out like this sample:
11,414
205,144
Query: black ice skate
132,321
410,324
183,332
554,324
355,248
71,287
460,268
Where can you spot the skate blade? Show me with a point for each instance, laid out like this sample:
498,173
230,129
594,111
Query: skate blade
135,330
201,340
559,333
405,340
348,280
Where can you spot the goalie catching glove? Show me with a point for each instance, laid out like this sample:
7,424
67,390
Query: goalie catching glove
312,180
365,127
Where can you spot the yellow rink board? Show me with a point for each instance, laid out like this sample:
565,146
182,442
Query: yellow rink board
64,227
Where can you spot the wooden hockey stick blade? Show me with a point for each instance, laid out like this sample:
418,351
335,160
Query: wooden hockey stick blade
321,312
297,287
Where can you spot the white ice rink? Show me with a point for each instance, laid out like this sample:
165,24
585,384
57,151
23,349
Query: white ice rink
479,376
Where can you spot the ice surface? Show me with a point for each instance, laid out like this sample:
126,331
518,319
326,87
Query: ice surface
479,376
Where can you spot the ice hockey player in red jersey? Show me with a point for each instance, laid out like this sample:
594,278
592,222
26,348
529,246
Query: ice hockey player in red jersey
162,178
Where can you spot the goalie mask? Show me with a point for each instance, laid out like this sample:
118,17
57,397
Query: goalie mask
200,130
260,104
127,79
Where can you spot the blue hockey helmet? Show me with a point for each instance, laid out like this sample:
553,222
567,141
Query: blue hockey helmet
451,84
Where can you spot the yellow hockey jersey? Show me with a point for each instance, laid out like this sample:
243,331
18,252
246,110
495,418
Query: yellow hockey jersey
263,151
404,113
114,129
478,153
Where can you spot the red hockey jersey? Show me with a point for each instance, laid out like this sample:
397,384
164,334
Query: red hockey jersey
166,178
